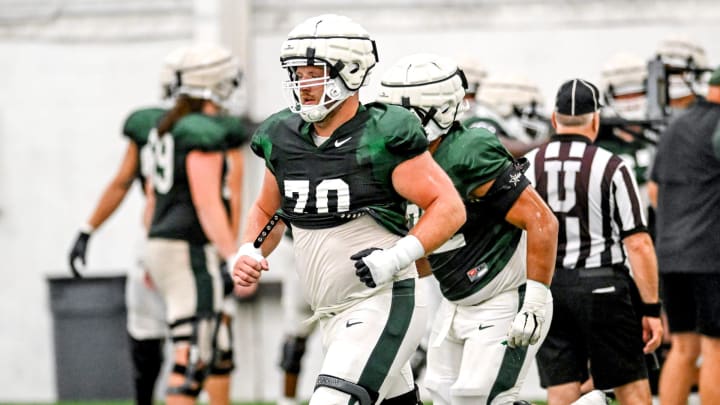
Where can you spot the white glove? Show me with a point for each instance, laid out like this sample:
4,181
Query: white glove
527,325
376,266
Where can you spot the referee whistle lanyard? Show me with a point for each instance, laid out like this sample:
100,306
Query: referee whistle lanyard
445,327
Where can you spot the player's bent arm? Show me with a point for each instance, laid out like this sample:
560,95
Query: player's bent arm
264,207
249,261
529,212
421,181
117,189
235,184
205,179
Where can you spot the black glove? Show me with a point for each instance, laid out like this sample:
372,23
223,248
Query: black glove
228,284
78,252
361,269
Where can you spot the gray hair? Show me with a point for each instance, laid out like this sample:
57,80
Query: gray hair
574,120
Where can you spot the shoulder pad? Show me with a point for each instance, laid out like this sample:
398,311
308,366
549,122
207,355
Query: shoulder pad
140,122
198,131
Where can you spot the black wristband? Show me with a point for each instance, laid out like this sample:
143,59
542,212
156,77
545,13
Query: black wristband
651,310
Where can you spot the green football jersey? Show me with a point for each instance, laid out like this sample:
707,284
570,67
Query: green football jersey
174,216
137,128
485,243
348,175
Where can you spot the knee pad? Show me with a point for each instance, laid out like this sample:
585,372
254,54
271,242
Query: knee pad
408,398
203,330
223,363
361,394
200,331
192,385
292,352
223,360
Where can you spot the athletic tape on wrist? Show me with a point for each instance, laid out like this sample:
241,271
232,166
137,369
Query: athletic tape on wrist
87,228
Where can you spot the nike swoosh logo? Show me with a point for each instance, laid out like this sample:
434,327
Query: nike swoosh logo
481,327
350,323
339,143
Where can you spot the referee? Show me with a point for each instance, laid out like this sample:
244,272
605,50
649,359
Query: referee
600,321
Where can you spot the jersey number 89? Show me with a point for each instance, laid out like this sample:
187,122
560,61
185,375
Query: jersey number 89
162,169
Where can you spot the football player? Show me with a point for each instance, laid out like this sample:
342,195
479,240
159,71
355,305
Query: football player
191,224
475,74
510,106
685,63
495,271
340,173
145,310
624,84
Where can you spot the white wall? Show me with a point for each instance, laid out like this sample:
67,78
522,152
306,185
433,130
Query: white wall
62,105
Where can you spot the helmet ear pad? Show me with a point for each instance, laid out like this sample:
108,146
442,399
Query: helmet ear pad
333,90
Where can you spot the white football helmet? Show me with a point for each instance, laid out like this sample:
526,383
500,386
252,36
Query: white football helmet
683,56
624,83
474,72
508,93
342,47
168,72
518,102
430,85
209,72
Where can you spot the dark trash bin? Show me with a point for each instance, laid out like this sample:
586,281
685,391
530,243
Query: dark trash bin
92,360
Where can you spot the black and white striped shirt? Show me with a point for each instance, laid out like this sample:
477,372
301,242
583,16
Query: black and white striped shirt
594,196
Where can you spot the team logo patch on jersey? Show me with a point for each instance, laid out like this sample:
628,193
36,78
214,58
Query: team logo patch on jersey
477,273
515,179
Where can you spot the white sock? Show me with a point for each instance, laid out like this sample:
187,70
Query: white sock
594,397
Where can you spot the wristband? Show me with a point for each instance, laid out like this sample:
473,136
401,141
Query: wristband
408,249
87,228
248,249
651,310
536,294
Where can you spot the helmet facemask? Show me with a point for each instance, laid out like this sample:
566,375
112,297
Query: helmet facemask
436,121
334,91
532,122
631,106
